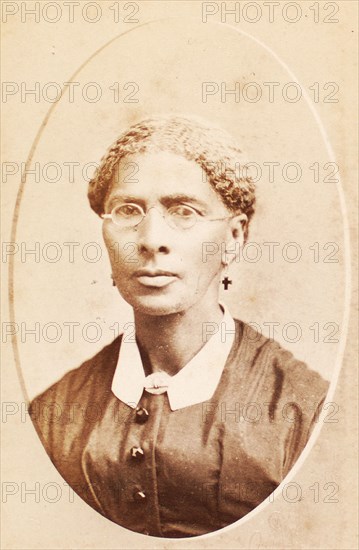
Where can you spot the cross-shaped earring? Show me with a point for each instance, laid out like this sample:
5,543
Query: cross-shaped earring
225,281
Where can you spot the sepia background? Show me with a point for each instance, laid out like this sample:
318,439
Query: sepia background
162,67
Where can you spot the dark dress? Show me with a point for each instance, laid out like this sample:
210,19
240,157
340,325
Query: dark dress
201,467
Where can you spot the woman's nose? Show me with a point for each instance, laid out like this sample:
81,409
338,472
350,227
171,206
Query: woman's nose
153,232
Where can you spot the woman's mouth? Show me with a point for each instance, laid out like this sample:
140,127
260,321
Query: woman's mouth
155,278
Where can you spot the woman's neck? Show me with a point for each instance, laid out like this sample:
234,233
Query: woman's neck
170,341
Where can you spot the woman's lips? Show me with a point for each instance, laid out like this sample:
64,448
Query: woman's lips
155,278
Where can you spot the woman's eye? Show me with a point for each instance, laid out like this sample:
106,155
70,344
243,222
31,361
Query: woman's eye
127,210
183,211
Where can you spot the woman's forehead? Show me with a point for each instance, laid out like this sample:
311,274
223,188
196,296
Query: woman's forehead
162,174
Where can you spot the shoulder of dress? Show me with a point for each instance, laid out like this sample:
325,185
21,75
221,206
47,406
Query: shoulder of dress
281,367
83,381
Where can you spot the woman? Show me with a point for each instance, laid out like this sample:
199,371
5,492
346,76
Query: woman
190,427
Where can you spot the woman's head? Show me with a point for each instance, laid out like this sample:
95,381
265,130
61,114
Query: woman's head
159,175
213,149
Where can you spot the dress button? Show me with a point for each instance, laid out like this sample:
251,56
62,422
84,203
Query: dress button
139,496
141,415
137,453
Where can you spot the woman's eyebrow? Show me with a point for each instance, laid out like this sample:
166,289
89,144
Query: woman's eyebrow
167,200
176,198
124,198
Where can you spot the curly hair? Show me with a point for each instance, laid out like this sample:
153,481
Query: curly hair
210,147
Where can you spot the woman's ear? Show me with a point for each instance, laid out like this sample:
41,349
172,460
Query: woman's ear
238,226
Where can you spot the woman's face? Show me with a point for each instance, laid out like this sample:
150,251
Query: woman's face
159,269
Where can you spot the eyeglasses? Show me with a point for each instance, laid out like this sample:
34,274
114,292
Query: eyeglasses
129,216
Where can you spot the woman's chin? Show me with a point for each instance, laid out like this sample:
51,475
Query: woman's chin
156,305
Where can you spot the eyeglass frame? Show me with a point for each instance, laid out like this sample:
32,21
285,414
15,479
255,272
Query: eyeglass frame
110,217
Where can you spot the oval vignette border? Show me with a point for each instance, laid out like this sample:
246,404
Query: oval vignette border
347,278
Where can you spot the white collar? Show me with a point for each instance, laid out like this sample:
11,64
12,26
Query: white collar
194,383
